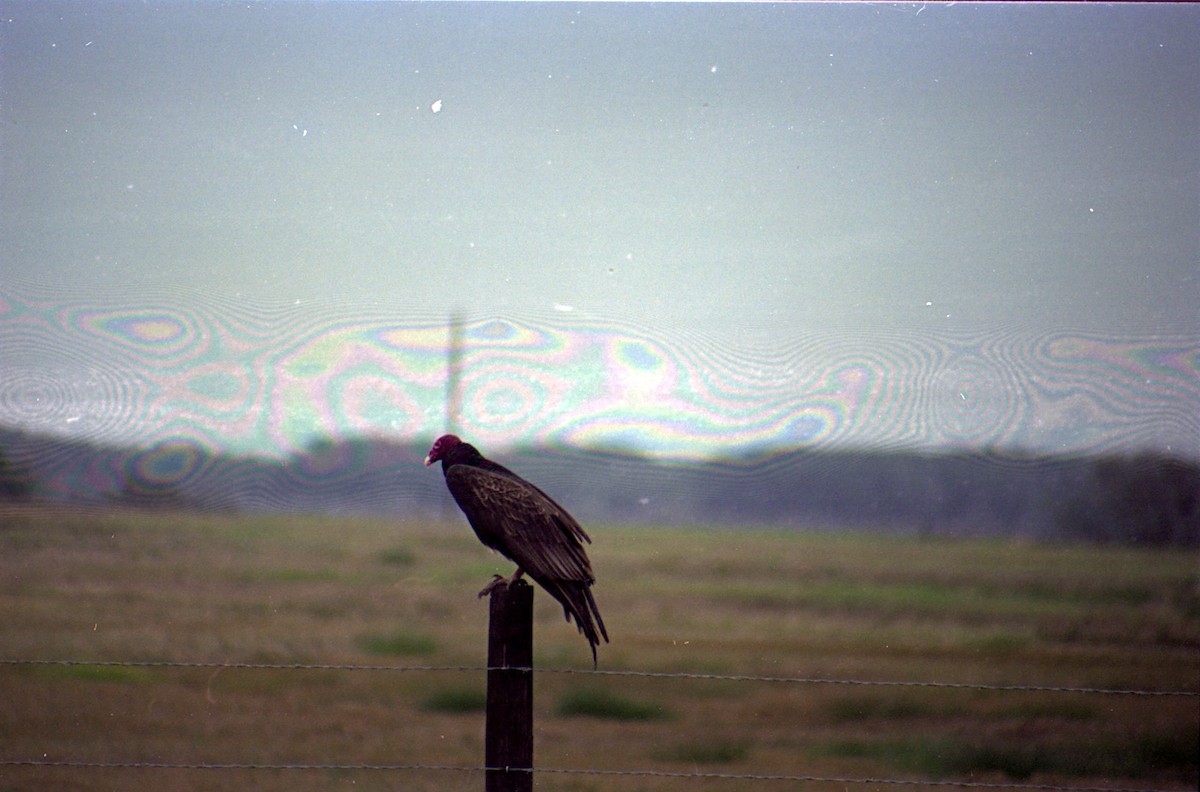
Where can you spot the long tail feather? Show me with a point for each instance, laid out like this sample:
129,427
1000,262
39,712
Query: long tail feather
579,605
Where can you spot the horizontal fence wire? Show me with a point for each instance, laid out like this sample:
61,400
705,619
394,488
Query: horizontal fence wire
602,672
752,777
700,776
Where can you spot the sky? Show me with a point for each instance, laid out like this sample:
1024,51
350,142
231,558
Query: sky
687,228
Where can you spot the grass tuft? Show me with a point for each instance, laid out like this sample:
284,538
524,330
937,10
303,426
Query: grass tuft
999,643
398,645
940,758
398,556
1062,710
599,703
296,575
89,673
721,752
864,708
456,701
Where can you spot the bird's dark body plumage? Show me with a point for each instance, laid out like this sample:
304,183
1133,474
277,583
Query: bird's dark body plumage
524,524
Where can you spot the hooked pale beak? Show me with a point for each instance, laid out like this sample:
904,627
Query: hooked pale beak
428,461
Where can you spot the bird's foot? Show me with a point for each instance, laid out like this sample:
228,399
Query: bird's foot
497,580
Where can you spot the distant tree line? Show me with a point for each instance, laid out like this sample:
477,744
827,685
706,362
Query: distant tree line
1142,500
16,481
1146,499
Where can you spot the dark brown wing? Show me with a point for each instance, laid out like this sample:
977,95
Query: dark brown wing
522,522
517,519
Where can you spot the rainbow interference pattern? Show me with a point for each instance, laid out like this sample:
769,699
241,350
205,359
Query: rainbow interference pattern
181,380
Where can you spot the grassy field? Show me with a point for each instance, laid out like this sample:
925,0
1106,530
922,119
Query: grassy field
154,587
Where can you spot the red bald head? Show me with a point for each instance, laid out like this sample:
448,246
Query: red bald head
442,446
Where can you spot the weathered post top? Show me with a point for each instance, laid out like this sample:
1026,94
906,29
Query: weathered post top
508,735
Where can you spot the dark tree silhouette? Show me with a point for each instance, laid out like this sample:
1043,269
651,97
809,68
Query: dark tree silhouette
16,483
1145,500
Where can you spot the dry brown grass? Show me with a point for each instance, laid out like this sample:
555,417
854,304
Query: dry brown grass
137,586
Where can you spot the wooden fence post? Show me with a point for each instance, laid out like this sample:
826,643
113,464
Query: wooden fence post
508,735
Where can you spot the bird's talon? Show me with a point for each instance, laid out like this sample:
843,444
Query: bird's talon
496,581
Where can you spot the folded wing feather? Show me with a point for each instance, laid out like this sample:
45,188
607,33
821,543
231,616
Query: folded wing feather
520,521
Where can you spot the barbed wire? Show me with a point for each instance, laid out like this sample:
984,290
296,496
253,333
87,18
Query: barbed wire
606,672
696,775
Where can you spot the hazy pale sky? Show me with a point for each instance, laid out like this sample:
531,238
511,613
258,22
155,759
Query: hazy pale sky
749,175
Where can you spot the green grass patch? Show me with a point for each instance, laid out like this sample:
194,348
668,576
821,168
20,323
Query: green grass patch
398,556
1060,710
97,673
999,643
456,701
946,757
707,753
892,598
398,645
297,575
864,708
468,574
599,703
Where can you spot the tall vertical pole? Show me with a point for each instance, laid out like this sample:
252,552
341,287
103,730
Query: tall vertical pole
454,373
454,354
508,735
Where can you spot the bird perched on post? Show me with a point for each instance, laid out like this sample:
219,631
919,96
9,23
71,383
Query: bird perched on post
525,525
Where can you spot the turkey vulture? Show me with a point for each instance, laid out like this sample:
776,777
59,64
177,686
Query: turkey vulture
524,524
